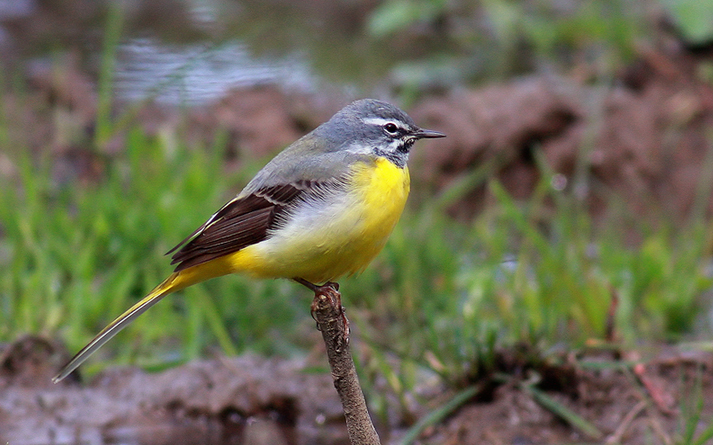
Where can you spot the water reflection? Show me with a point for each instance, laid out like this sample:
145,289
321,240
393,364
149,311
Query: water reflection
192,51
185,51
197,73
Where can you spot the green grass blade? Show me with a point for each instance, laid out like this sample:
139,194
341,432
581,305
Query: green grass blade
440,414
112,35
216,323
705,436
566,414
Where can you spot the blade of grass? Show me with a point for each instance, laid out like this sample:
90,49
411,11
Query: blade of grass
115,20
216,323
566,414
464,184
705,436
439,414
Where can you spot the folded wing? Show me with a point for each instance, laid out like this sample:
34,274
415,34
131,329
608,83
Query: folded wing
240,223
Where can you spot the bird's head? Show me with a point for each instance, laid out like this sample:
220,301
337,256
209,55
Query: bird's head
375,128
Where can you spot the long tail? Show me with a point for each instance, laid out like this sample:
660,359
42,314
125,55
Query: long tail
173,283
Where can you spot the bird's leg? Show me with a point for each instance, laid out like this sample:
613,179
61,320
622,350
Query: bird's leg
313,287
329,290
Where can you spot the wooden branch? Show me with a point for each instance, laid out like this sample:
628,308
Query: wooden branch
328,312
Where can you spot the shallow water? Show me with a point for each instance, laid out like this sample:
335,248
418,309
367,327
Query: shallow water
195,74
192,51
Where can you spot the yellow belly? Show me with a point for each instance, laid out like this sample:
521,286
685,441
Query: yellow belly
336,239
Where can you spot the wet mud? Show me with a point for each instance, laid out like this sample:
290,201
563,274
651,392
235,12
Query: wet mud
259,401
241,400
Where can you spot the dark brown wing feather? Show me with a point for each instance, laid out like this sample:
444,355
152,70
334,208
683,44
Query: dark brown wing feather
240,223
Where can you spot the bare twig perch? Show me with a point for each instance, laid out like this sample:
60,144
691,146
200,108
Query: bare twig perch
328,312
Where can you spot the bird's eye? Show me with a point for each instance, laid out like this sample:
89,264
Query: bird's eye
391,128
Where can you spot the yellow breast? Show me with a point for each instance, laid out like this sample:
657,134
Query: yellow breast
381,192
339,237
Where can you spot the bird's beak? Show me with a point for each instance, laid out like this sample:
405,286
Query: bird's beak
428,134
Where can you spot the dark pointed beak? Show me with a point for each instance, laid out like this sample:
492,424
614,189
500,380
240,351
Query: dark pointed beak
428,134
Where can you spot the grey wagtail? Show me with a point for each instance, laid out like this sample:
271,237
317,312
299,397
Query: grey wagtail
321,209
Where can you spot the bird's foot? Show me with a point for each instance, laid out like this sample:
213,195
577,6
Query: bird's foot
328,292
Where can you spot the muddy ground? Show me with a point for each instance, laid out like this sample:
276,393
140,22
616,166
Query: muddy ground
258,401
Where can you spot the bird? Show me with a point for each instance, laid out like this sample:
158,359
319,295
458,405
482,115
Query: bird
321,209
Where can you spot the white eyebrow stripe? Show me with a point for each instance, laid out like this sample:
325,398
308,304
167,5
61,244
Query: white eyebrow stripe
380,121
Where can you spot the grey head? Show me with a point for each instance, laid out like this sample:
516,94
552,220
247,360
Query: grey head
366,128
373,127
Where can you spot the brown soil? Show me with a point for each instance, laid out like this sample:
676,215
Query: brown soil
638,405
251,400
646,139
243,400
